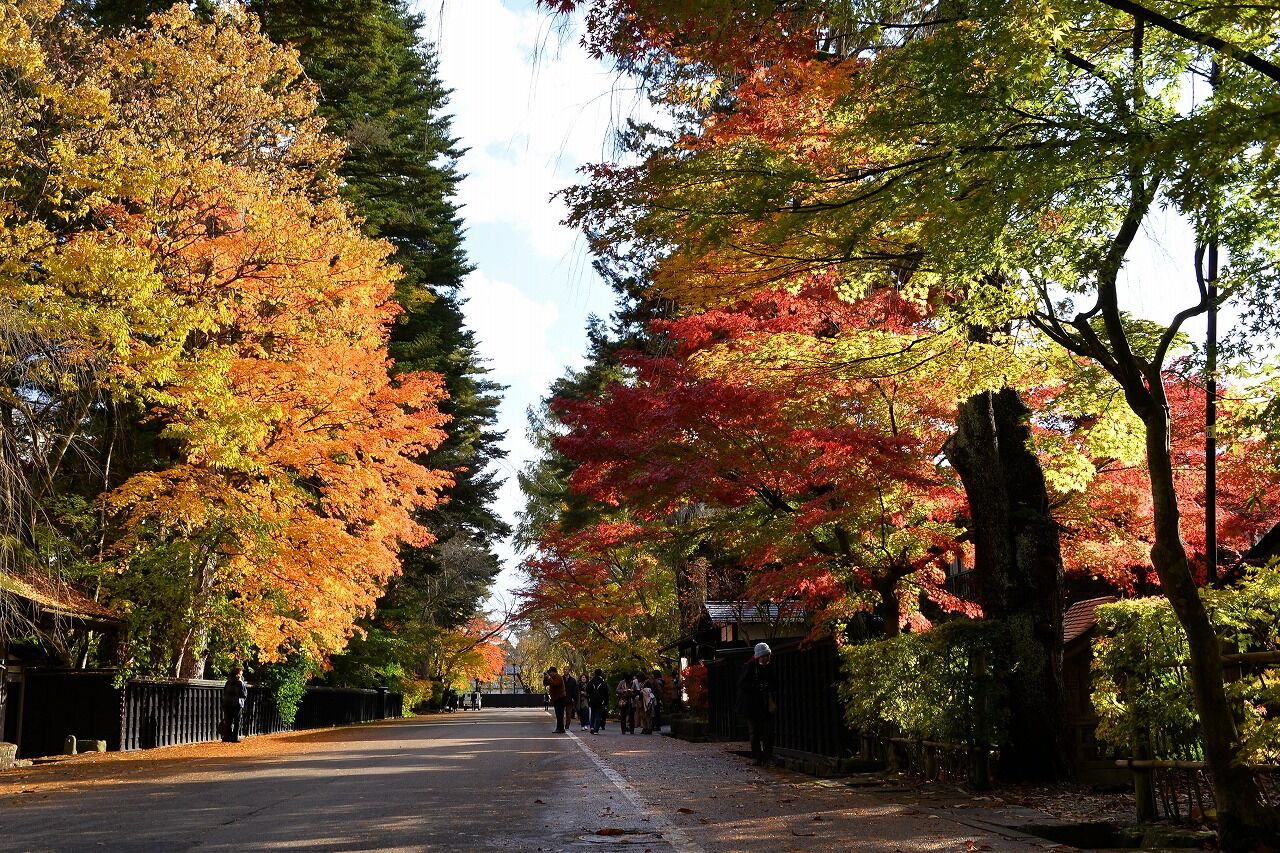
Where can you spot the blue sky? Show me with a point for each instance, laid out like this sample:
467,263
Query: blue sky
531,107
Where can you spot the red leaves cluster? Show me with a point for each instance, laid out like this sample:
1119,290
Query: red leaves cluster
822,482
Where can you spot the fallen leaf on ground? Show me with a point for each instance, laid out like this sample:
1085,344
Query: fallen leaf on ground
609,830
683,810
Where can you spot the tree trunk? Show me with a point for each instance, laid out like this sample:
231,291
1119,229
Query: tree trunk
190,656
691,592
890,608
1244,819
1018,572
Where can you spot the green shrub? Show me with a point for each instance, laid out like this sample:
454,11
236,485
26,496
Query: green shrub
1141,684
942,684
287,683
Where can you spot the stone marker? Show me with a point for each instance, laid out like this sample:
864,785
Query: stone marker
69,745
8,755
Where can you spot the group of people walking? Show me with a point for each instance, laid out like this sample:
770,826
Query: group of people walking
640,700
577,696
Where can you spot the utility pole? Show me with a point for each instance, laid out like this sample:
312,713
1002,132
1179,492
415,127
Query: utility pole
1211,388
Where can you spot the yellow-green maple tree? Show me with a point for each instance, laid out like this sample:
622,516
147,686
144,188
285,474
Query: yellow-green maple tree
195,237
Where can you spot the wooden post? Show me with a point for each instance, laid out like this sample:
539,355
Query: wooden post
1144,789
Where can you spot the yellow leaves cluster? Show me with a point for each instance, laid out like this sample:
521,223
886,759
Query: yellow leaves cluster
170,213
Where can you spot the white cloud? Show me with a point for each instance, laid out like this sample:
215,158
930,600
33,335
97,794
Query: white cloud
531,106
515,331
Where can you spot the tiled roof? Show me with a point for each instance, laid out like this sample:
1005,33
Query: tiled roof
730,612
1079,617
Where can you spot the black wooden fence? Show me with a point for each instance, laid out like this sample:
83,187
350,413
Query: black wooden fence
46,706
147,713
810,718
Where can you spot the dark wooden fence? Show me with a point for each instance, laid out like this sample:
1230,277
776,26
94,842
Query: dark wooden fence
810,718
147,713
168,712
52,704
724,720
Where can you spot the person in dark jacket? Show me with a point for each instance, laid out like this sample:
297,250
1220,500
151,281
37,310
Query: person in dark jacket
234,694
571,690
597,699
758,694
554,682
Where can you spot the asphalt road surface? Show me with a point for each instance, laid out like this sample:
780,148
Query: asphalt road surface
469,781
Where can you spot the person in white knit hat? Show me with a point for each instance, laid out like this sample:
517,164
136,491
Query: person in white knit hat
759,696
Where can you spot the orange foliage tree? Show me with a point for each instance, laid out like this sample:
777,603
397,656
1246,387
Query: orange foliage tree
286,474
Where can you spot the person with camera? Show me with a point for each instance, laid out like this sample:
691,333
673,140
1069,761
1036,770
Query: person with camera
554,682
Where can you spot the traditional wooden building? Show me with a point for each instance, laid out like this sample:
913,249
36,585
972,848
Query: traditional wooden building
41,621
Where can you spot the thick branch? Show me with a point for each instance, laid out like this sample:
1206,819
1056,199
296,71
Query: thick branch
1209,40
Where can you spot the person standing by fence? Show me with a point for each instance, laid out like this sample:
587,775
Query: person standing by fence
758,693
234,694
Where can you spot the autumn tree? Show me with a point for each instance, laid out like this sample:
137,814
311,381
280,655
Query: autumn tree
997,154
606,591
379,93
286,474
823,482
579,545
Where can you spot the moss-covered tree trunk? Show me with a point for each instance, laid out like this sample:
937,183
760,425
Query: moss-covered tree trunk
1018,572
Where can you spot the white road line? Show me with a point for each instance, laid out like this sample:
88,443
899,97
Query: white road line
672,834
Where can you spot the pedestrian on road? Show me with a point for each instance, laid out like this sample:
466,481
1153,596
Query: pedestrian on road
234,694
758,694
571,692
584,709
659,687
645,707
626,704
554,682
597,699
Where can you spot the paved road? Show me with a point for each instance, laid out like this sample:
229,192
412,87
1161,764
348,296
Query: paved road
492,780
